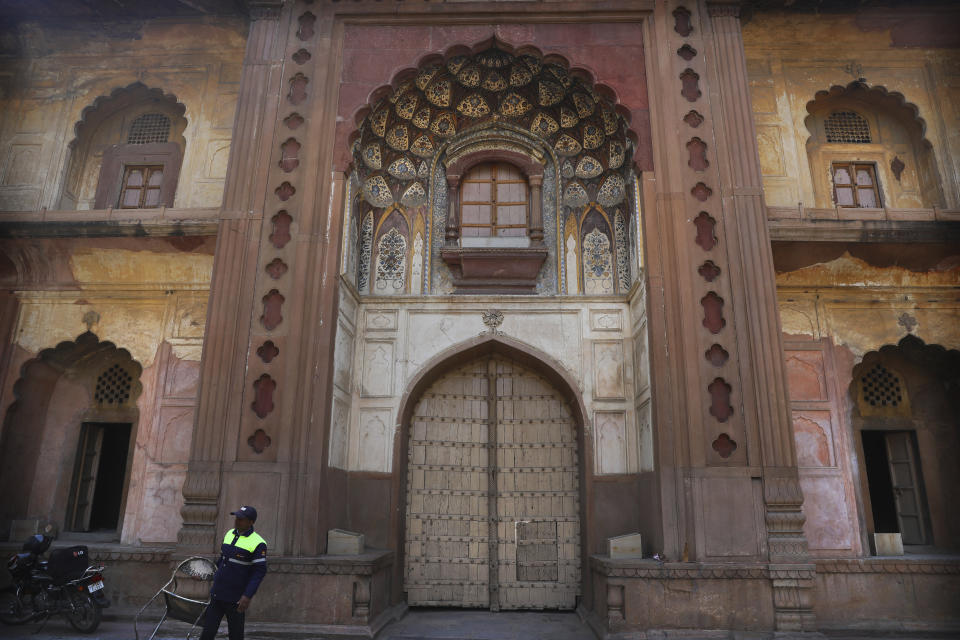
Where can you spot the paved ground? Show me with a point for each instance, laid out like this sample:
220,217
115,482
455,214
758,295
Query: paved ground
418,625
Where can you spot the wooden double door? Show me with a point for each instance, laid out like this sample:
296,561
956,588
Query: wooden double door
493,501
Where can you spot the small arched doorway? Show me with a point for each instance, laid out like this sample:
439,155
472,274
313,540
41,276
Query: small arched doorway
905,408
68,440
493,486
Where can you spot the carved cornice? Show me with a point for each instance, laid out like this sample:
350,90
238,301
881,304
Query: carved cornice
926,566
130,555
366,565
651,569
265,9
724,8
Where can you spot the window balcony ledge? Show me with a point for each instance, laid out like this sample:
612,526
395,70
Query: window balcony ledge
855,224
494,270
160,221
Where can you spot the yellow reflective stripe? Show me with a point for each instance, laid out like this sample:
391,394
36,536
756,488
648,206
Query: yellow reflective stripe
247,543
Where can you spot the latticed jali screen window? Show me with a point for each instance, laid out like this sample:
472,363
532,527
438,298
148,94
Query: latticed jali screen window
141,186
847,126
493,202
150,127
855,185
881,388
113,387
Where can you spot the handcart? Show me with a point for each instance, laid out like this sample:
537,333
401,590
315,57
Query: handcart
191,578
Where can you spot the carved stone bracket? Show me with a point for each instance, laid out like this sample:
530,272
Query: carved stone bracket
615,613
201,488
791,573
361,598
793,587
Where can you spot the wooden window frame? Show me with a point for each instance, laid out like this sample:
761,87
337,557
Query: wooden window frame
119,156
493,203
148,171
852,167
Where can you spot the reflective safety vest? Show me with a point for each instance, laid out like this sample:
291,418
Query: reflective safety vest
243,563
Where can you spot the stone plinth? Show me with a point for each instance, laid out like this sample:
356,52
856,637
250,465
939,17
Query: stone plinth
634,595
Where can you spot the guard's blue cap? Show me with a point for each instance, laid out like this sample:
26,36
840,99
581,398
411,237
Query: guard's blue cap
246,512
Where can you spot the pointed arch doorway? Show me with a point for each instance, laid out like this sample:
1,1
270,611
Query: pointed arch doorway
493,506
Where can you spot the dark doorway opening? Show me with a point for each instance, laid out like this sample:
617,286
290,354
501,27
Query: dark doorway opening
894,481
878,479
99,477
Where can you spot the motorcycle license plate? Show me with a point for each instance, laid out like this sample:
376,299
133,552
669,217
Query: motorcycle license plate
93,587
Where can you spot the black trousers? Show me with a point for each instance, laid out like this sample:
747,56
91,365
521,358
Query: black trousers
213,616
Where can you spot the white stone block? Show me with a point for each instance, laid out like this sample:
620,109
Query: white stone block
344,543
625,546
888,544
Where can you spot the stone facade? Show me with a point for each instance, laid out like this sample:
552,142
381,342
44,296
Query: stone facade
743,360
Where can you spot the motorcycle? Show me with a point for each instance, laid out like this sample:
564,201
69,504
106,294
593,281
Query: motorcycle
65,584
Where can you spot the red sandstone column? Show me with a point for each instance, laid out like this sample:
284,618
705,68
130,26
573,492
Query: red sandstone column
756,314
229,312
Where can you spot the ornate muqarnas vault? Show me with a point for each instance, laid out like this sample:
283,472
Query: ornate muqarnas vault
493,171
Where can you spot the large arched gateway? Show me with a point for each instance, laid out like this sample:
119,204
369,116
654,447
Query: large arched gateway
489,304
492,491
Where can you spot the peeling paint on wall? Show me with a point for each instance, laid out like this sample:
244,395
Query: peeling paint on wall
140,268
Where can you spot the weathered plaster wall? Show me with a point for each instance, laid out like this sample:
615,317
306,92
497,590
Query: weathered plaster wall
862,307
62,71
144,296
833,313
792,56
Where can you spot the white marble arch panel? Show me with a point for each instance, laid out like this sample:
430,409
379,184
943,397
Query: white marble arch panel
556,332
608,370
339,432
610,432
376,377
606,320
641,359
374,440
380,320
644,419
343,355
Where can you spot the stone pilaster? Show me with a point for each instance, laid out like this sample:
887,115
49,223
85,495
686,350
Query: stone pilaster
758,325
228,314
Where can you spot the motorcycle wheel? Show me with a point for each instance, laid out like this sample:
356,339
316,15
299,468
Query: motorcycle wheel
12,610
84,614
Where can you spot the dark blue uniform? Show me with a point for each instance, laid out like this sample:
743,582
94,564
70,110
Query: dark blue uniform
242,565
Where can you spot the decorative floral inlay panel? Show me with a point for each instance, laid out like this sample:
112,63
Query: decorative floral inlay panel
623,261
366,249
597,264
391,263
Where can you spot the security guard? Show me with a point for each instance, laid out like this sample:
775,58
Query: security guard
242,565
